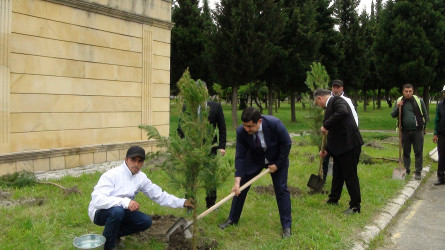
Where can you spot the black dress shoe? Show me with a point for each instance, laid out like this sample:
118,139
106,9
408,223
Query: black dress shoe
352,210
439,182
418,177
332,202
226,224
286,233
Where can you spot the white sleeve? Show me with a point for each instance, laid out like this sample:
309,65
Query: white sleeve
101,197
155,193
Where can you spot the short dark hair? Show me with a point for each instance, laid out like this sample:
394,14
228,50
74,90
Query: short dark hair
407,86
250,114
321,92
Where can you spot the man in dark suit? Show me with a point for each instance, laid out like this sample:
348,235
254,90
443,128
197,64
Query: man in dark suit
261,142
344,144
216,119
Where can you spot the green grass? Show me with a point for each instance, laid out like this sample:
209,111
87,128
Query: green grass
316,225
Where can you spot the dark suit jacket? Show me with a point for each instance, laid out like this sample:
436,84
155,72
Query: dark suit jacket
216,118
343,133
249,159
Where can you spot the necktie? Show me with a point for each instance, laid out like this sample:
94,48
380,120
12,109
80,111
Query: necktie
257,140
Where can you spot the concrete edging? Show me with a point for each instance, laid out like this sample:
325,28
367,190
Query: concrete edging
388,213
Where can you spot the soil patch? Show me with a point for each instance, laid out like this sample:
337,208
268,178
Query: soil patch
294,191
5,201
161,223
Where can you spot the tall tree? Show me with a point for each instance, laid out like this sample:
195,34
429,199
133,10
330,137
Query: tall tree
247,33
351,66
410,45
187,42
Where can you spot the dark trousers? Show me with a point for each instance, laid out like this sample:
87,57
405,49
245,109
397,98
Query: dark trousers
415,138
345,171
441,153
326,166
120,222
279,179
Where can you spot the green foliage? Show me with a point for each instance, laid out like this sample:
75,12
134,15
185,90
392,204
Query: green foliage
18,179
317,78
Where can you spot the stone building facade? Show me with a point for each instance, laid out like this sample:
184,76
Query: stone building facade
77,78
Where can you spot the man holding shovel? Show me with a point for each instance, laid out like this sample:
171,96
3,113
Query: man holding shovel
414,117
261,142
344,143
112,201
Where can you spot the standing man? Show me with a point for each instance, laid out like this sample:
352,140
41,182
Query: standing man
112,201
414,118
344,144
261,142
216,119
337,90
439,138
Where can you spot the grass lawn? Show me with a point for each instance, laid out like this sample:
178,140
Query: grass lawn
316,225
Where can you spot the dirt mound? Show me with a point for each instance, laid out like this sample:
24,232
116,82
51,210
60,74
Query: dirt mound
5,201
161,223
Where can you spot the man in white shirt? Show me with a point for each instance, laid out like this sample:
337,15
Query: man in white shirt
112,201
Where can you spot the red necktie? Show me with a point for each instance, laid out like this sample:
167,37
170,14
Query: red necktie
258,140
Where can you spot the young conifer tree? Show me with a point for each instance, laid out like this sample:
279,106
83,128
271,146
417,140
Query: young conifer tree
317,78
188,162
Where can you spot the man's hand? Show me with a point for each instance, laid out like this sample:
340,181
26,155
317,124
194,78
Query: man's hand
435,138
133,206
273,168
189,203
399,103
324,130
222,151
322,153
236,186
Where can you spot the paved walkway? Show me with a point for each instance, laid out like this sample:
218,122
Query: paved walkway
422,224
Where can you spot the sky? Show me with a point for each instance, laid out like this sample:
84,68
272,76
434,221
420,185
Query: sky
364,4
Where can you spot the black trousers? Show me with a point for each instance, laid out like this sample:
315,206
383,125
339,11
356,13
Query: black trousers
441,153
279,179
345,171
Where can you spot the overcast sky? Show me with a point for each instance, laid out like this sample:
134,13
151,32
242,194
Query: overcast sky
364,4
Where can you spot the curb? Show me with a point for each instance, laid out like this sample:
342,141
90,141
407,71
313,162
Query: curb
76,172
388,213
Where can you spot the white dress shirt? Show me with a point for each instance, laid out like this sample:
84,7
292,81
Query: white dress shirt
118,186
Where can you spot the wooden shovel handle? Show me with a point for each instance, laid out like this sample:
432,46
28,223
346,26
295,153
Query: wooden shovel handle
232,194
320,168
400,136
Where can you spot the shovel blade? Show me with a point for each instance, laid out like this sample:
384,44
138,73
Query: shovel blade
315,183
181,222
399,173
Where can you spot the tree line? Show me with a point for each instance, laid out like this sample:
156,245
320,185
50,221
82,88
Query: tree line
264,49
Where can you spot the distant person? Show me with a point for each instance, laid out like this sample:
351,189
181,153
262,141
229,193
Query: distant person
216,119
344,143
414,118
337,90
261,142
112,201
439,138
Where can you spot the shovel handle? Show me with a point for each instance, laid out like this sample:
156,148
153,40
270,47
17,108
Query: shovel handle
232,194
320,168
400,136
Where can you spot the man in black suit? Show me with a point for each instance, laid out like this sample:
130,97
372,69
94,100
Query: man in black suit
344,144
261,142
216,119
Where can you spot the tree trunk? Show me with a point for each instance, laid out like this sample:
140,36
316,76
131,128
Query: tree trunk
292,105
379,96
426,98
234,106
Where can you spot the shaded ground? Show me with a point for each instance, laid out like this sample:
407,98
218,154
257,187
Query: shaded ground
161,223
294,191
6,201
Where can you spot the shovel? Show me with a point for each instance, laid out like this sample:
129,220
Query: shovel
399,173
181,222
316,181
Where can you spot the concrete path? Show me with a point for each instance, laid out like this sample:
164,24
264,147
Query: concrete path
422,224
